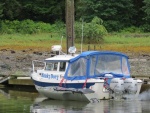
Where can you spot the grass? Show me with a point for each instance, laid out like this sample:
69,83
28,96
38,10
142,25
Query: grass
137,43
34,41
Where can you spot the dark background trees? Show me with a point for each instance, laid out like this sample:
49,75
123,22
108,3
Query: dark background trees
116,14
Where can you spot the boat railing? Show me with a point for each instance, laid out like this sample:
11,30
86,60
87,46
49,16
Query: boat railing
38,65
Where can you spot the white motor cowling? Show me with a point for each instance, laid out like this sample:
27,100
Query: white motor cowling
117,85
130,85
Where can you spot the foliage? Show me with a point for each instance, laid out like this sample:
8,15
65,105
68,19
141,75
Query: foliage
116,14
93,31
146,27
146,9
60,28
43,10
25,27
131,29
11,9
1,10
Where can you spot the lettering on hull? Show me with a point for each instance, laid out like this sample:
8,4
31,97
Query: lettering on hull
49,76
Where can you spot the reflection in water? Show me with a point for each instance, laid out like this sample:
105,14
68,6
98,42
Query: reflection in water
56,106
13,101
125,106
16,101
105,106
145,95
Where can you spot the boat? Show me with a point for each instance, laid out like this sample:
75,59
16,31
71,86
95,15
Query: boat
88,76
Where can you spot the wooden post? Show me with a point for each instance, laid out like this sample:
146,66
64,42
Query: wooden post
70,23
94,47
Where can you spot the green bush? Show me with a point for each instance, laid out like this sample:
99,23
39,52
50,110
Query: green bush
92,32
113,25
131,29
59,27
146,27
24,27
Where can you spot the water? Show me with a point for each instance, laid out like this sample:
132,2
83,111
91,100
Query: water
16,101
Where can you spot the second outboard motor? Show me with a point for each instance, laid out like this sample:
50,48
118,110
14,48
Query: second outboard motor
117,85
130,85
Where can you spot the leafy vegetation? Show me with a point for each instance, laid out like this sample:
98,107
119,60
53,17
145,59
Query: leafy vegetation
116,15
25,27
93,30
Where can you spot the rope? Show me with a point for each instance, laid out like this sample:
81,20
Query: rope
84,85
60,84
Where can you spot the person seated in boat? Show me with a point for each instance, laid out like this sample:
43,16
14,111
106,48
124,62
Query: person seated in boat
62,66
55,66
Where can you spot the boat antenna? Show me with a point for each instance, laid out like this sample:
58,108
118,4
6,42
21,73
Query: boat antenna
82,36
61,41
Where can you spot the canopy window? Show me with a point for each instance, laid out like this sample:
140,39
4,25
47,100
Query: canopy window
125,69
92,65
108,64
77,68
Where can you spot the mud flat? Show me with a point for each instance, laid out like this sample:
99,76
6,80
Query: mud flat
13,62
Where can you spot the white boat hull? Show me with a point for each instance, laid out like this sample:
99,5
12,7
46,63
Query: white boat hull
64,95
48,90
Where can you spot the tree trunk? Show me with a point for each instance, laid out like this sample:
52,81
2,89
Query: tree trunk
70,23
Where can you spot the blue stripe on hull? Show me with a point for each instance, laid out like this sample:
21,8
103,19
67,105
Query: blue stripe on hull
67,85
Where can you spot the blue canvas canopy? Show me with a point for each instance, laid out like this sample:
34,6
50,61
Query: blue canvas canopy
92,64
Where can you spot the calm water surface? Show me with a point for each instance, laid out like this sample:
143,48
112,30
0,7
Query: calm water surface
15,101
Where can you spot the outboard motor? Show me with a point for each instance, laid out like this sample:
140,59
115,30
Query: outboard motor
117,85
130,85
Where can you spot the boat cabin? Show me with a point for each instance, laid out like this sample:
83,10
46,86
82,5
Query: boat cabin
90,64
57,63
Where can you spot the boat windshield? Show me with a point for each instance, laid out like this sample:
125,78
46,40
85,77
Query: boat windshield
51,66
55,66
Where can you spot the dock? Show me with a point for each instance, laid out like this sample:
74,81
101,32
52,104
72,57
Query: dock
16,80
4,79
145,79
21,81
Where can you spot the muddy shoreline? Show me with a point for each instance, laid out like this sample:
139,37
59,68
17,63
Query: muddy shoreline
19,62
